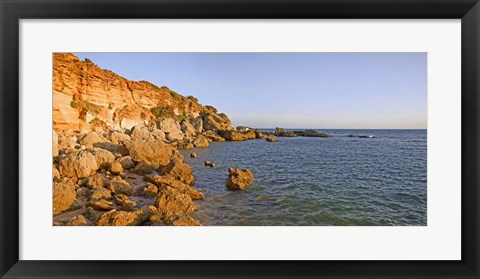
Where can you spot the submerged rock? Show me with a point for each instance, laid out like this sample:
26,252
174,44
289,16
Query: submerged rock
238,179
209,164
271,139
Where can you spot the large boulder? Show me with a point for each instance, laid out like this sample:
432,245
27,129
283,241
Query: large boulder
161,181
217,122
124,218
119,138
213,136
178,170
91,138
172,202
188,129
64,196
198,124
171,128
140,133
103,157
237,136
200,141
279,131
78,164
154,152
238,179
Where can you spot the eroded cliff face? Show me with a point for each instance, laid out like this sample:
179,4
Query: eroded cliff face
86,96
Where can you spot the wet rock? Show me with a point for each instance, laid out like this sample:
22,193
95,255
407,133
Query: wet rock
119,186
154,152
78,164
279,131
143,168
178,170
64,196
260,135
209,164
148,191
183,188
183,220
193,155
238,179
78,220
123,218
271,139
201,141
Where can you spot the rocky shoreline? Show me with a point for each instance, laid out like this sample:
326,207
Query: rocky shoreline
116,159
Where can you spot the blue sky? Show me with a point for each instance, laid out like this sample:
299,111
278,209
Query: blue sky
291,90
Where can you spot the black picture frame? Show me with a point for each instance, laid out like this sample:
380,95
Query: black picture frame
12,11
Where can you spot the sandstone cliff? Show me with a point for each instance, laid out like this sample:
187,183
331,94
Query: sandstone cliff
86,96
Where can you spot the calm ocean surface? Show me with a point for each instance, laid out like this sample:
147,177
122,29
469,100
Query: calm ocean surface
306,181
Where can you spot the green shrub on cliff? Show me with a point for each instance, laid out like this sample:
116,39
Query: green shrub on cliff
163,112
74,104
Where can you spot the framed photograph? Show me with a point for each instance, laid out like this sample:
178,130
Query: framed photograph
236,139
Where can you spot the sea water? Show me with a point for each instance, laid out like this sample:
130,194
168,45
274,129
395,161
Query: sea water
309,181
